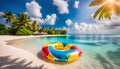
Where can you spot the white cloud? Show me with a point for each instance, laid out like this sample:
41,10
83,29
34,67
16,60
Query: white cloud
103,26
76,4
38,20
2,13
34,11
84,27
68,22
115,19
115,22
76,26
48,20
51,19
62,6
99,27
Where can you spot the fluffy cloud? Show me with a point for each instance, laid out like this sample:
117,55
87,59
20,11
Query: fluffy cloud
76,4
34,11
115,19
76,26
62,6
50,19
100,27
84,27
38,20
68,22
115,22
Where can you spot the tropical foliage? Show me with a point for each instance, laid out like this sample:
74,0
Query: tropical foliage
9,16
4,30
107,8
22,25
51,30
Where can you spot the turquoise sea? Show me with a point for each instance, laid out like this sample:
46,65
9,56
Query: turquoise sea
99,51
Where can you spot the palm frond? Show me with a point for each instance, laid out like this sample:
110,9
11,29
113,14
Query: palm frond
105,14
98,11
117,10
96,2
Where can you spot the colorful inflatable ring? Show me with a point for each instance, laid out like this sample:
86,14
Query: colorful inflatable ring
60,52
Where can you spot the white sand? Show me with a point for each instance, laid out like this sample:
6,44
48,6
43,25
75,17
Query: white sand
13,52
24,53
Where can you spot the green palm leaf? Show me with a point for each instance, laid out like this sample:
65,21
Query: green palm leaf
98,11
35,26
9,16
105,14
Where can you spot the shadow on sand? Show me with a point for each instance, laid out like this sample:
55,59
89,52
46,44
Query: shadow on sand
7,63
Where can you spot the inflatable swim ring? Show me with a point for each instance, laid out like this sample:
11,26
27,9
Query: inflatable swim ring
60,52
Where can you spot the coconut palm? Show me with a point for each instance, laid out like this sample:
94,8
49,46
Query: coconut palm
35,26
43,29
108,8
23,19
9,17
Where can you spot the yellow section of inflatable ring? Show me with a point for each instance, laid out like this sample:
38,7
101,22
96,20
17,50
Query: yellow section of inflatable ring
51,57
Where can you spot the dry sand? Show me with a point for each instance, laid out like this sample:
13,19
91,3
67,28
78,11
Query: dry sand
19,55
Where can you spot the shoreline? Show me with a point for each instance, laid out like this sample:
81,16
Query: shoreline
19,50
80,63
14,52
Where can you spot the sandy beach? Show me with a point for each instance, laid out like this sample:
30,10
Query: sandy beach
16,58
14,54
15,44
10,49
60,34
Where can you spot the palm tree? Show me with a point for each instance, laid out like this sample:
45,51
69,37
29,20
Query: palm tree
35,26
9,17
43,29
108,8
51,30
23,19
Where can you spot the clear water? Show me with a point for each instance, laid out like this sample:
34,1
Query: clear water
99,51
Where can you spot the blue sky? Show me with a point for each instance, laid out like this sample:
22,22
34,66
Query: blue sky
79,17
81,14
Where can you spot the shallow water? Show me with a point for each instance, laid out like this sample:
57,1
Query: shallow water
99,51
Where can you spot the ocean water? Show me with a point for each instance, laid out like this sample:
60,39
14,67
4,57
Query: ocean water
99,51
